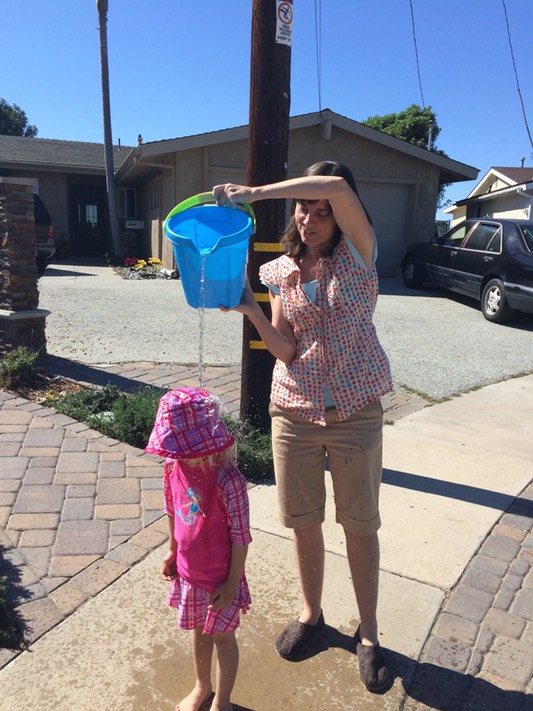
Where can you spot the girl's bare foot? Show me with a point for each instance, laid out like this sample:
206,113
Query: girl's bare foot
195,699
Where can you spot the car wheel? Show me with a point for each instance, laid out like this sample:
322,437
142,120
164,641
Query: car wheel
412,276
494,306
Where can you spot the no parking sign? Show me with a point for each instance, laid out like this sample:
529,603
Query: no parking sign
284,15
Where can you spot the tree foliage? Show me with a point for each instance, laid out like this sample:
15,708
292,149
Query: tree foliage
411,125
14,122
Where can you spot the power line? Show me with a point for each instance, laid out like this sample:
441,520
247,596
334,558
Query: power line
416,53
516,73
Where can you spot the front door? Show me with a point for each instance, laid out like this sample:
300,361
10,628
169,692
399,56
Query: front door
88,222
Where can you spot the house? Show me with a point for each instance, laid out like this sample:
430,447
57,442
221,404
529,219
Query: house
398,182
502,192
70,177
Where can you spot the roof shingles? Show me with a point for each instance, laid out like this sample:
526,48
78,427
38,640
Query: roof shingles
50,152
516,175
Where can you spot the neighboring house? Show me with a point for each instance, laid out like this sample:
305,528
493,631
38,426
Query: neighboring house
70,177
502,192
398,181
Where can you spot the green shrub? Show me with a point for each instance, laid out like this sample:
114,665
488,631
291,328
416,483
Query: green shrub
134,416
18,368
129,417
10,634
254,450
86,403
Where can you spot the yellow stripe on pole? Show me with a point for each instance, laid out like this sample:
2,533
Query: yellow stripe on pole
257,345
268,247
261,297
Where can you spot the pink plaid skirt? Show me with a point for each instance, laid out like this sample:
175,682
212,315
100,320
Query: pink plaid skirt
191,603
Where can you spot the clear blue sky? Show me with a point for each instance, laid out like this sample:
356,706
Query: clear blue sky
180,68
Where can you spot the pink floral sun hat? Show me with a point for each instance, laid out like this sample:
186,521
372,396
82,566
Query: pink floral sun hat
188,425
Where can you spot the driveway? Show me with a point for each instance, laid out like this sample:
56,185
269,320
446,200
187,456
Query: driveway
438,344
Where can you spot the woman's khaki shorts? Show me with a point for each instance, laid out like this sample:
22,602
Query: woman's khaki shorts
354,452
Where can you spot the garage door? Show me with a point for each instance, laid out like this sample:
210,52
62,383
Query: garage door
387,205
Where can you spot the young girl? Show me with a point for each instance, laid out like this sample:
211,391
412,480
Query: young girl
206,502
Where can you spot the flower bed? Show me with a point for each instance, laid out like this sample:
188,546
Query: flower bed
141,269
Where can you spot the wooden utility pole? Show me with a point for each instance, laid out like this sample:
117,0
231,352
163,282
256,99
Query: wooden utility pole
268,149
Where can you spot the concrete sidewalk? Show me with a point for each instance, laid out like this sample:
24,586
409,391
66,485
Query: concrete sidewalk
456,600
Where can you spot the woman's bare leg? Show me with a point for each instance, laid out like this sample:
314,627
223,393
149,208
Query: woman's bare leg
363,556
309,543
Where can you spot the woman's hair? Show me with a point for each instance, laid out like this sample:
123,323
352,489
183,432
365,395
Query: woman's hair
219,459
290,238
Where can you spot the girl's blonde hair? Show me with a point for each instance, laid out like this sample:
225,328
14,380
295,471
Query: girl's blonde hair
210,461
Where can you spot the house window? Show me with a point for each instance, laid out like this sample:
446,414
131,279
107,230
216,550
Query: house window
91,215
127,202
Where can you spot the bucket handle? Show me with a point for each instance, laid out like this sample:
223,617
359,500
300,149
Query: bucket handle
204,199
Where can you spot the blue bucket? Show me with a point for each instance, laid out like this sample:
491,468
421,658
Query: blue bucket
213,239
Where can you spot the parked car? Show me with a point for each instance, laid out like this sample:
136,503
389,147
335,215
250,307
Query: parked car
488,259
44,230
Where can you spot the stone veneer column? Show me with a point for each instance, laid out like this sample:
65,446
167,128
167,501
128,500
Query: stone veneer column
22,323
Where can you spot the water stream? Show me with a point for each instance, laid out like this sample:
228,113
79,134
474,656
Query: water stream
201,323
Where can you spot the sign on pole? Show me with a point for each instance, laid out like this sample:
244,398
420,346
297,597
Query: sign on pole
284,16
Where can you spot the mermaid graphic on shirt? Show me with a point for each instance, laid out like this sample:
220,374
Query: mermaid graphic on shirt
190,507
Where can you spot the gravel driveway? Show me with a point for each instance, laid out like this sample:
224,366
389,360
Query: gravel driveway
438,344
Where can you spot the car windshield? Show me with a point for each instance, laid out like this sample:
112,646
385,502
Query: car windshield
527,232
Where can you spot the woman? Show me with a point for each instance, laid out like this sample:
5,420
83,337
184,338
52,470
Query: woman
329,375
